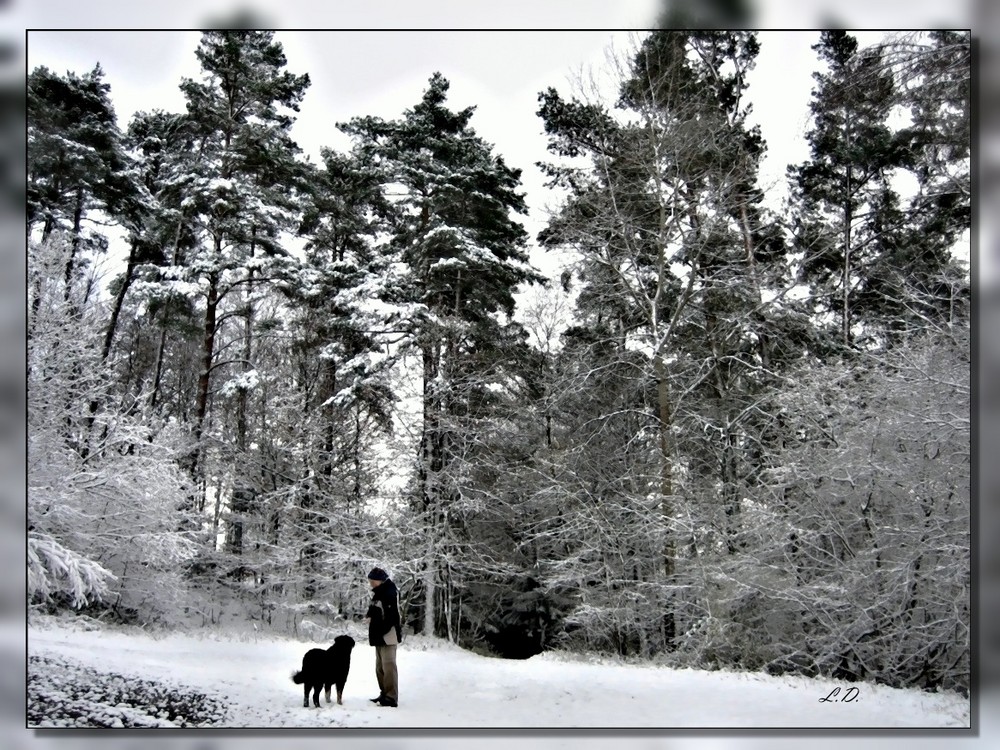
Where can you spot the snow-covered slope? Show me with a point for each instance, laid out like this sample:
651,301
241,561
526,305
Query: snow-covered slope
244,681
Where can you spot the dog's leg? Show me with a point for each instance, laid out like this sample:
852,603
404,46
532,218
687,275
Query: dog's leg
328,687
340,693
305,699
316,695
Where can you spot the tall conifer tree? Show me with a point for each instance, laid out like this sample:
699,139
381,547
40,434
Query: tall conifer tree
847,213
464,255
680,265
77,162
240,185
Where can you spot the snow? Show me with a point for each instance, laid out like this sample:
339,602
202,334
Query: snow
243,680
74,574
245,381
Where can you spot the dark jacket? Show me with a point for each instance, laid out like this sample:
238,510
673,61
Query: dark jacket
384,614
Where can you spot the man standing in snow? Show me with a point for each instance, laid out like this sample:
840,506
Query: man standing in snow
384,633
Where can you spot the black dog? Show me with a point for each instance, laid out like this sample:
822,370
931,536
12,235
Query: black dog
324,669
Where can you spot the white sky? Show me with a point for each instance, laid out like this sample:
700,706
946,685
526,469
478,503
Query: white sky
501,72
357,73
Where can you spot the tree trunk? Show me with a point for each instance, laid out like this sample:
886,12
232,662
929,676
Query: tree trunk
356,493
848,219
205,376
666,490
763,340
116,309
430,591
112,327
448,592
75,244
429,476
244,485
157,378
158,372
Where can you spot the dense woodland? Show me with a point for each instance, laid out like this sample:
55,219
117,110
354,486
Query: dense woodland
725,438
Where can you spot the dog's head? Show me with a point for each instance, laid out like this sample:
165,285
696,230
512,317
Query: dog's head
344,642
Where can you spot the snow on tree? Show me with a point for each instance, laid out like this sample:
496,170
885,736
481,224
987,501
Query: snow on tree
673,456
103,485
57,573
464,255
78,168
240,183
681,271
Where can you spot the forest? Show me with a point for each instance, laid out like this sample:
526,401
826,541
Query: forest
726,437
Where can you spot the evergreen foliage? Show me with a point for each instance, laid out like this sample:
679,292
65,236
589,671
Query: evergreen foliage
462,256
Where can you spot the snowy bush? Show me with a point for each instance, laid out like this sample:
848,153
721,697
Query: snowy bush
55,572
872,523
103,491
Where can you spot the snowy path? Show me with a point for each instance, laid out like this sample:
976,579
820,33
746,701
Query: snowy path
442,686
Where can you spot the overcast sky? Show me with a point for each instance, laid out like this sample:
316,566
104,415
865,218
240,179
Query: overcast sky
382,72
355,73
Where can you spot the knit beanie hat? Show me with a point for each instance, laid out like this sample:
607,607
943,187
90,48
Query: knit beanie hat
378,574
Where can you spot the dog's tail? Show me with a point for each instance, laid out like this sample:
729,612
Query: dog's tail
297,678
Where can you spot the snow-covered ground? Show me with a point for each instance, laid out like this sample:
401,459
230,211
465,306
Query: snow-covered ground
244,681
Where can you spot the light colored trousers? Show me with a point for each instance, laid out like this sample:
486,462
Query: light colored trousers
385,671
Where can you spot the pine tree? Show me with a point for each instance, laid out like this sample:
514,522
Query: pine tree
681,268
78,172
919,283
239,188
77,162
341,296
463,256
847,213
346,282
153,313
